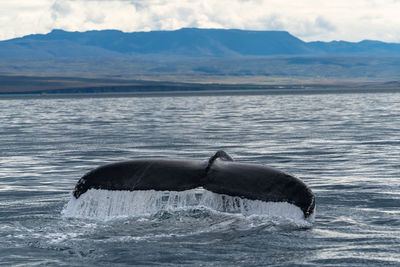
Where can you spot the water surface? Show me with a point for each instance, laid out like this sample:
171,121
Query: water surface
344,146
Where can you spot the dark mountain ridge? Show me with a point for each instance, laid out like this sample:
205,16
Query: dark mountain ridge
186,42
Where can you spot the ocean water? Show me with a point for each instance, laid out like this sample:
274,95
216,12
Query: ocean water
345,146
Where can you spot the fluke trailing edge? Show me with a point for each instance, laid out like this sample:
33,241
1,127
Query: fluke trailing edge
219,174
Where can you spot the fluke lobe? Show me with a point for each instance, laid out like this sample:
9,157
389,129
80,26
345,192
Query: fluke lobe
219,174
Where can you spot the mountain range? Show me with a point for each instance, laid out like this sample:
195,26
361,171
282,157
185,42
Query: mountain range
186,42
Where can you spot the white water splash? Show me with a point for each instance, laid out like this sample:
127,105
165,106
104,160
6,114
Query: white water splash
107,205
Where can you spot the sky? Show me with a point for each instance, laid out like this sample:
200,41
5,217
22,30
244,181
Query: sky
309,20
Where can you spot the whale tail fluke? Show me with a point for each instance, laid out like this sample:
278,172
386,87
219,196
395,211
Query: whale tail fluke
219,175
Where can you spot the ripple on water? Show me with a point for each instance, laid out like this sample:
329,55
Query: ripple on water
344,146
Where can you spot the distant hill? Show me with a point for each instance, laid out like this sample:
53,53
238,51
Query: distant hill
187,42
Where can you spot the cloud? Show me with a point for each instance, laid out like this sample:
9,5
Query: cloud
307,19
322,23
60,9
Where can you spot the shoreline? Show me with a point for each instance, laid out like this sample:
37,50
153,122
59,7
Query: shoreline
41,85
183,93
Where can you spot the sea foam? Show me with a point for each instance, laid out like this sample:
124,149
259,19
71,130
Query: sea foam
108,205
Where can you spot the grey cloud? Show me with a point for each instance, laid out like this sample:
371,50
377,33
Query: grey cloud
139,5
307,28
272,22
96,18
324,24
59,9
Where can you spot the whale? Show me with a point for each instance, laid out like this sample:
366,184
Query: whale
219,174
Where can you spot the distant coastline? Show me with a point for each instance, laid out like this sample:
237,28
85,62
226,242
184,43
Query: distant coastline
192,60
28,85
